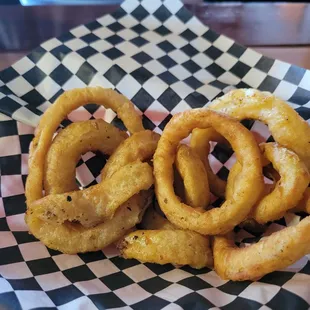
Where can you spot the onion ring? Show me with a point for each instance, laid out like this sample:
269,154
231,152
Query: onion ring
51,119
284,123
191,169
249,224
129,214
233,174
178,247
164,243
71,238
247,188
294,179
96,203
200,142
275,252
74,140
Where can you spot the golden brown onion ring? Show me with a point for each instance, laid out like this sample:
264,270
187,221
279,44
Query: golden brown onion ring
275,252
51,119
249,223
97,203
195,179
73,238
235,170
288,190
247,188
200,142
294,179
233,173
287,127
81,239
178,247
74,140
154,223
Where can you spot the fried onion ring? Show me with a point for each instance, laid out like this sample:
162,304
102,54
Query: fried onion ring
294,179
235,170
249,224
83,239
74,140
200,142
71,238
191,169
178,247
51,119
275,252
248,187
187,247
96,203
164,243
287,127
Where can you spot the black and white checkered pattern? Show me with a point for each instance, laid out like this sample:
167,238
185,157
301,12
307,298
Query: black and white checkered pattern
166,61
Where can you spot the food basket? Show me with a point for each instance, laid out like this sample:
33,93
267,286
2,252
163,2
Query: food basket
165,61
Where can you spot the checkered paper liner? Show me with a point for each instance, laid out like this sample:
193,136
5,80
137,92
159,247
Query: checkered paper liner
166,61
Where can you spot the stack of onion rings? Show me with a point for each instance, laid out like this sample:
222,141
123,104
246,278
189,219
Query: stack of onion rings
291,132
72,220
52,118
247,188
290,157
161,242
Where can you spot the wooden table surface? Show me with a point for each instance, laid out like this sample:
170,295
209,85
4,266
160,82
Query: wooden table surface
278,30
